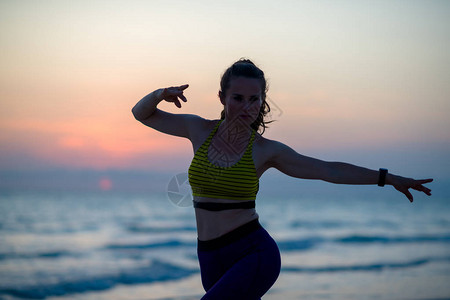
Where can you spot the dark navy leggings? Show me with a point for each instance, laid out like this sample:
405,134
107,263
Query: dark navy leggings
242,264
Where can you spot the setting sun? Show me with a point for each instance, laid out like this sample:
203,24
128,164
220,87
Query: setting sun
105,184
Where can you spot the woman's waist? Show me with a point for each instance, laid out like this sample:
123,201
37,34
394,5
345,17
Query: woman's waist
230,237
212,224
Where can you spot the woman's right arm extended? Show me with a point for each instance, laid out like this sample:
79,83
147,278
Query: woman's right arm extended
183,125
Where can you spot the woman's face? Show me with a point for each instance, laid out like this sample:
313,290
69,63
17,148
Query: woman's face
243,99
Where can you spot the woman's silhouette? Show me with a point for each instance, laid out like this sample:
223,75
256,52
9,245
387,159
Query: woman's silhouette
238,258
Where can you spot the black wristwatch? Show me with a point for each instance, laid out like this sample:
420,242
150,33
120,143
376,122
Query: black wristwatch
382,177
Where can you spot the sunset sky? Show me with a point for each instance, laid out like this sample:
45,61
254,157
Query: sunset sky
365,82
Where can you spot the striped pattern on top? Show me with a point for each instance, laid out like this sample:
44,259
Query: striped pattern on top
238,182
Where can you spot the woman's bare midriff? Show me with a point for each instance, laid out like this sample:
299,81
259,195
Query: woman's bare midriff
212,224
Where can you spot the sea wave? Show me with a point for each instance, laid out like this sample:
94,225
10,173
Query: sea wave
303,244
49,255
364,239
138,228
313,242
157,271
367,267
160,271
165,244
285,245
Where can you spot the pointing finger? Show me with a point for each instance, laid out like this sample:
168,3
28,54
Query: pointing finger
183,97
427,191
409,196
422,181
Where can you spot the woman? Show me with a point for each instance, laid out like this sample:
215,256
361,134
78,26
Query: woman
238,258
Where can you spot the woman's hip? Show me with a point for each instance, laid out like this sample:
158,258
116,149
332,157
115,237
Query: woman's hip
231,247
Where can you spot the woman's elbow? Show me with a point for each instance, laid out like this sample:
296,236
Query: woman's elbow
134,112
137,114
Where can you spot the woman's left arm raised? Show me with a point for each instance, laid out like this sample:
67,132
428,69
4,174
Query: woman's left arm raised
291,163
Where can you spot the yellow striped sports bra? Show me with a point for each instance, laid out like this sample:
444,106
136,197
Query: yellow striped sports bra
237,182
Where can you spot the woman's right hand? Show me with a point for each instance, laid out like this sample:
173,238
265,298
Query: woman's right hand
403,184
172,94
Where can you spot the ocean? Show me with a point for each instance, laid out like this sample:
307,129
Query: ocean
108,245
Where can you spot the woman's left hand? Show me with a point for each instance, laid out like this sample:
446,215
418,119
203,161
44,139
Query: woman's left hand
403,185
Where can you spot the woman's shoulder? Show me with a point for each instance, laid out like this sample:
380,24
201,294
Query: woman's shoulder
268,146
209,124
262,139
204,127
205,124
264,143
265,151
